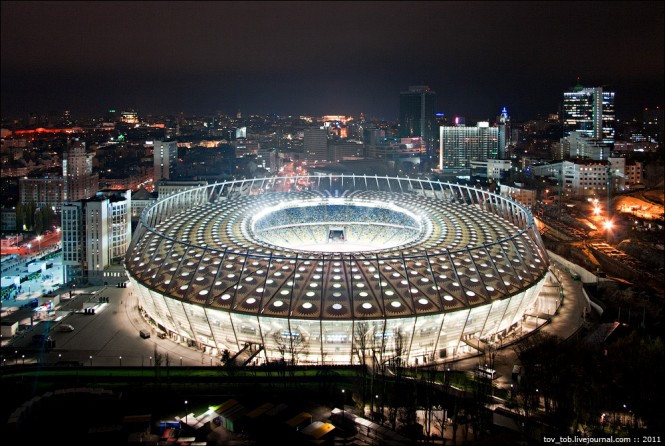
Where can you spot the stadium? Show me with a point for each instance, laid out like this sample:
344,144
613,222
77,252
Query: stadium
337,269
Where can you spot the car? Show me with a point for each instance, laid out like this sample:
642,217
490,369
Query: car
145,334
66,328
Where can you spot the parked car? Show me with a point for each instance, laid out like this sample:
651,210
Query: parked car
66,328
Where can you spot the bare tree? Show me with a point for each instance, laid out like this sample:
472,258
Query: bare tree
439,420
298,345
400,339
360,341
280,344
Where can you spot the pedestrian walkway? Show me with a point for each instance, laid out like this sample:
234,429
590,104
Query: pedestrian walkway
568,319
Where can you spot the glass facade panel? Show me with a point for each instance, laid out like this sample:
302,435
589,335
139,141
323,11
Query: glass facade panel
181,322
306,341
337,336
247,329
199,323
220,322
275,333
163,312
399,334
494,318
451,332
425,336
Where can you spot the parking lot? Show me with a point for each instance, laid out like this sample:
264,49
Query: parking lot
110,335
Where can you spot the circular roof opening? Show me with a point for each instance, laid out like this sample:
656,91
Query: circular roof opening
335,225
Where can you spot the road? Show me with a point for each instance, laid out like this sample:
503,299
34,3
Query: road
568,320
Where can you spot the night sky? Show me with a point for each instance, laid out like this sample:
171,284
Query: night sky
326,57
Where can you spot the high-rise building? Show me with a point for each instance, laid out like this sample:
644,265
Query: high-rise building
80,182
652,124
95,233
417,115
316,144
503,122
460,145
165,155
591,111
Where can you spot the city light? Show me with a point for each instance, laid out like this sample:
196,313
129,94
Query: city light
596,211
608,225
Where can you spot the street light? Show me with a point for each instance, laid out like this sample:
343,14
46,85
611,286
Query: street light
39,240
608,225
343,401
151,361
120,359
186,412
90,360
23,357
181,361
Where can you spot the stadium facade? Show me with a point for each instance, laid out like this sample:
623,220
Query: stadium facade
337,269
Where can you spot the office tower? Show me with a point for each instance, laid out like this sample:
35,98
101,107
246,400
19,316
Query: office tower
316,144
417,115
95,233
591,111
460,145
165,157
652,124
80,182
503,122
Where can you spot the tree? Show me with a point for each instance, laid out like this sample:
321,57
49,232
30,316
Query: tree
228,361
20,217
39,222
158,362
400,341
360,340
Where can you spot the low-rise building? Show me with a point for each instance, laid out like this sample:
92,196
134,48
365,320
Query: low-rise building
141,199
42,191
585,177
165,188
519,193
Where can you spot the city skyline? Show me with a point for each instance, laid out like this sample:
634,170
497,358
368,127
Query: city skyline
295,58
